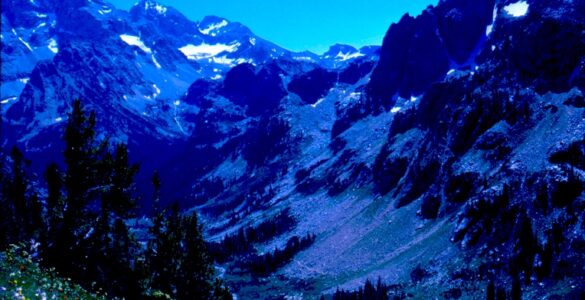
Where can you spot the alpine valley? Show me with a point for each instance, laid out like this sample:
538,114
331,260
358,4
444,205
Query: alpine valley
447,163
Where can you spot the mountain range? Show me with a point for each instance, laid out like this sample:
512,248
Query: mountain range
451,156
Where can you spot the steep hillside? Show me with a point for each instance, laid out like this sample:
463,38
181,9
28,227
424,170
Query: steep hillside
449,163
458,178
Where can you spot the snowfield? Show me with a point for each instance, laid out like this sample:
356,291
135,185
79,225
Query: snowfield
518,9
196,52
135,41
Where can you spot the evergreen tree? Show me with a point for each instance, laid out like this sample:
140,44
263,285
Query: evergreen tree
181,266
491,291
501,294
524,248
22,220
369,290
90,238
54,180
156,193
84,234
65,252
4,222
80,157
119,198
516,289
196,266
179,261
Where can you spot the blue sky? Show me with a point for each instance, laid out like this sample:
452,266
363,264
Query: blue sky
304,24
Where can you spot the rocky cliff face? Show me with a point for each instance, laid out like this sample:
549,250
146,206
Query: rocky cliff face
418,51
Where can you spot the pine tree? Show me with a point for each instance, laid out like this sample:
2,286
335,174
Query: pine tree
17,193
80,157
54,180
119,198
369,290
156,193
491,291
525,248
86,236
90,238
220,291
22,220
66,252
178,258
4,222
196,266
516,289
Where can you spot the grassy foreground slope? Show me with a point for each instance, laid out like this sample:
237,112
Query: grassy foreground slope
21,277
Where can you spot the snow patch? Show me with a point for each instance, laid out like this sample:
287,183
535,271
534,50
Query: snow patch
53,46
21,40
489,29
253,41
206,51
41,15
23,80
395,109
303,58
354,96
347,56
59,119
155,6
177,103
157,90
179,125
5,101
105,11
223,60
155,62
135,41
213,27
216,77
314,105
43,24
518,9
451,72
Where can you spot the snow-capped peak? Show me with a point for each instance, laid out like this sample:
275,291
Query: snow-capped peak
342,52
